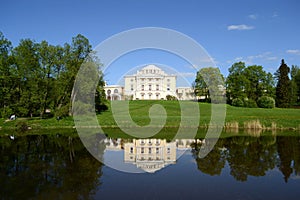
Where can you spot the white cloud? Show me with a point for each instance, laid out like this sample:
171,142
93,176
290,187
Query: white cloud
238,59
256,59
293,51
274,15
253,16
186,74
239,27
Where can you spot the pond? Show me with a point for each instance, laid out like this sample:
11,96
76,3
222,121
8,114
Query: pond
57,166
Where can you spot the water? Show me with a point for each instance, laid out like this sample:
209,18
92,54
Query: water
59,167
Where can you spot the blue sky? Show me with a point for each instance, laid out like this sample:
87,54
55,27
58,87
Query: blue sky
256,32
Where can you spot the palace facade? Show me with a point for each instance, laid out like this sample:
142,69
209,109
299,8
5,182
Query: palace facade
149,83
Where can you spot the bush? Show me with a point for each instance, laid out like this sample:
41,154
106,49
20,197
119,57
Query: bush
21,126
171,98
266,102
62,112
250,103
238,102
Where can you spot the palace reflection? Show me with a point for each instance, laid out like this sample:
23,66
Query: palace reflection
149,155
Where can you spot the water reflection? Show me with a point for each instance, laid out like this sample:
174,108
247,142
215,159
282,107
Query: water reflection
148,155
47,167
59,167
245,156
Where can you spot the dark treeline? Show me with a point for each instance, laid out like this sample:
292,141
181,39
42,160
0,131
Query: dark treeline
252,86
38,78
251,156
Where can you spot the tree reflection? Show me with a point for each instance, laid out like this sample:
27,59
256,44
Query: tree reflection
47,167
289,154
214,162
251,156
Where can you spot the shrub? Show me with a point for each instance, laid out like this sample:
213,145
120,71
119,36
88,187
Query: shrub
171,98
266,102
21,126
238,102
250,103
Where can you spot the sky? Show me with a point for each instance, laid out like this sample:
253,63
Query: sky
253,31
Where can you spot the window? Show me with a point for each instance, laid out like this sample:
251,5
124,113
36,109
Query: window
143,86
116,91
131,149
131,80
168,150
149,87
149,150
142,150
108,92
131,87
168,87
157,150
157,87
168,80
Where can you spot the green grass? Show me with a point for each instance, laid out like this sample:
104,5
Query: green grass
283,118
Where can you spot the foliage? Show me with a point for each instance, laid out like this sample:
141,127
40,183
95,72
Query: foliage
171,98
238,102
35,76
283,92
209,83
249,83
295,84
250,103
266,102
21,126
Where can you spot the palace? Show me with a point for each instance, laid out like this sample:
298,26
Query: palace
149,83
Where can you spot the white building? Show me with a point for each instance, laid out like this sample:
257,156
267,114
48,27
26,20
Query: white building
114,92
149,83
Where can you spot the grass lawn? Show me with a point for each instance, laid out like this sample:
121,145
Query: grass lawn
281,118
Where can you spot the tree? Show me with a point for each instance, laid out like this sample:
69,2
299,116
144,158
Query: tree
283,93
209,83
35,76
259,82
6,76
236,82
29,73
248,84
295,84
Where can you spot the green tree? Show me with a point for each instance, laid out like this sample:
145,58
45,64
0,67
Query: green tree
295,84
6,76
209,83
283,93
260,83
29,73
236,82
247,84
37,76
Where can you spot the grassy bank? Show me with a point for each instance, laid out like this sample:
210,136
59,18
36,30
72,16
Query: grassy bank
236,118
